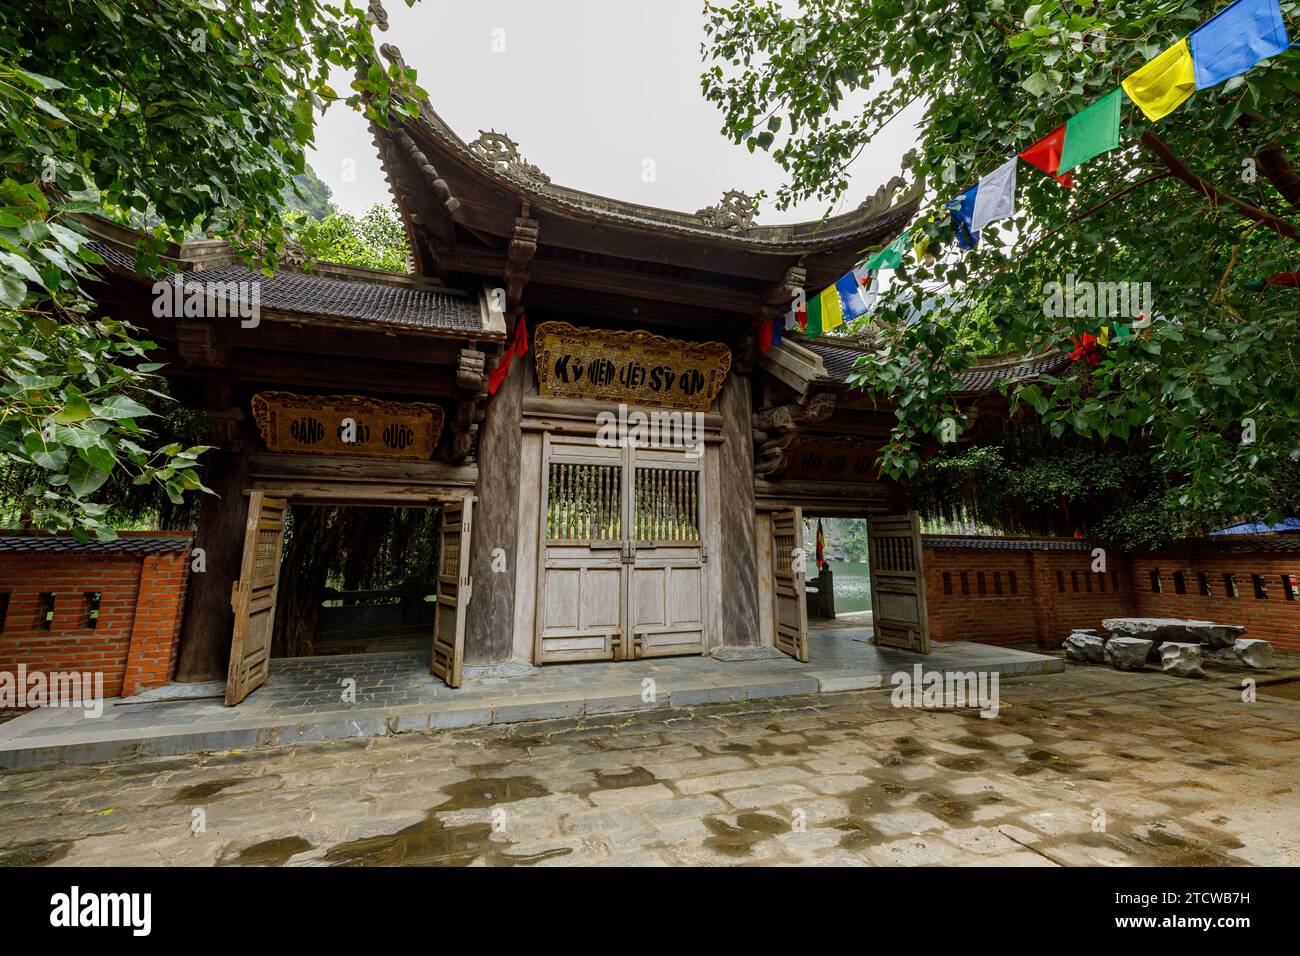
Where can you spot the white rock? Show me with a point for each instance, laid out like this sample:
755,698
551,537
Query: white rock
1128,653
1160,629
1253,652
1181,659
1081,646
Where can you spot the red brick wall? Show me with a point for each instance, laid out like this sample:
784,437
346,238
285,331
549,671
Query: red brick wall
1056,590
1274,617
135,638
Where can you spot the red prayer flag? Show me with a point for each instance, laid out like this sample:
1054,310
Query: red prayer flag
1085,347
1046,155
765,335
801,316
518,347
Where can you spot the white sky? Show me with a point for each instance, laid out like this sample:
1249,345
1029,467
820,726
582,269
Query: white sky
591,90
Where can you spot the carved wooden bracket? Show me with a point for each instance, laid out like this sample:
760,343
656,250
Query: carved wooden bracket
520,252
777,427
471,378
778,298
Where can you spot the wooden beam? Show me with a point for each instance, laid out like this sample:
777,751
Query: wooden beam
604,280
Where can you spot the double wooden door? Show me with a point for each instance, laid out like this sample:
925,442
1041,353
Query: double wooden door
622,553
253,595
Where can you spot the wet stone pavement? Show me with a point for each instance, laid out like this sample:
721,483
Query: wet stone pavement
1088,767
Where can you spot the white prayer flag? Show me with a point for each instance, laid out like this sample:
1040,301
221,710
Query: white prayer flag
996,196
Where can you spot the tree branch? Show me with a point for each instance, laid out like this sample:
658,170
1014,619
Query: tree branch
1277,170
1163,153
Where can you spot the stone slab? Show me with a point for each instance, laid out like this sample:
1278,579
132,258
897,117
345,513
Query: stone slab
396,695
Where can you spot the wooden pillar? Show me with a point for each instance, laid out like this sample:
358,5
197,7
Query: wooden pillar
1040,584
209,622
737,554
489,627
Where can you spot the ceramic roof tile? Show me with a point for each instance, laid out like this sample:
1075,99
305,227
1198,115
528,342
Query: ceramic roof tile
292,291
123,544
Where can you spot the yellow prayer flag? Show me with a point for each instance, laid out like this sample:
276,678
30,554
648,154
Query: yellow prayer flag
1161,86
832,311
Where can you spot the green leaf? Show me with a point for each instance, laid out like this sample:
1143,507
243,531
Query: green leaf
119,407
75,408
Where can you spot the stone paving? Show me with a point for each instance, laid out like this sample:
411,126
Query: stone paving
1087,767
395,693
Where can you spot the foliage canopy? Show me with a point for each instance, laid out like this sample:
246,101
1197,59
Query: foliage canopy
1202,205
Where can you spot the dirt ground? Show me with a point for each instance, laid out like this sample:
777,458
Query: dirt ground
1089,767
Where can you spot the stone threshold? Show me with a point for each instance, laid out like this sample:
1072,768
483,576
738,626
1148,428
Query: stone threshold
83,741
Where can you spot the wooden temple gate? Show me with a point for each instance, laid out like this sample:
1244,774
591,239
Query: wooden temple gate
558,543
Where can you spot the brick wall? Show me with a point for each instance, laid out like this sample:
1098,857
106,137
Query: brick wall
140,580
1262,601
1036,590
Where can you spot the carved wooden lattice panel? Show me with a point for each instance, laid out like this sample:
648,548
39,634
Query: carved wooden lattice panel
453,591
584,502
253,597
666,502
790,608
899,614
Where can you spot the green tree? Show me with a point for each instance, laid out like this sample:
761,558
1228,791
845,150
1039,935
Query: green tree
376,240
1202,205
308,194
187,115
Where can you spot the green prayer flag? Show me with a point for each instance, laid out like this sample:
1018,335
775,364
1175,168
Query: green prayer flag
890,257
1091,132
814,327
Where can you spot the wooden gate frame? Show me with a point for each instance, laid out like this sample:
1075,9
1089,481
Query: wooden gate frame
297,480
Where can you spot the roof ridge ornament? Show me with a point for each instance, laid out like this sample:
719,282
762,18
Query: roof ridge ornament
883,198
501,152
377,15
735,212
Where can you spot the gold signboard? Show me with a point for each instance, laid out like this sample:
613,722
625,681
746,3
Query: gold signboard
633,367
834,459
347,425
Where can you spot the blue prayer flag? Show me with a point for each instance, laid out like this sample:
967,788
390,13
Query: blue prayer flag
962,210
776,329
1235,39
853,298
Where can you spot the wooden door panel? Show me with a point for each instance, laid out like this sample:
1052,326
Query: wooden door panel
580,594
582,616
453,591
666,607
666,614
253,597
790,609
898,607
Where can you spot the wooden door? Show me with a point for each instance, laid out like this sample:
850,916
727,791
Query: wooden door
898,610
453,591
665,553
582,553
252,597
791,607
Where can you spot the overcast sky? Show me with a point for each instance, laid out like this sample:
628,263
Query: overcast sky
592,90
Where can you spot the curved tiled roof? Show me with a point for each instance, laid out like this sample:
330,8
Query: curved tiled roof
36,543
873,218
990,543
839,357
289,290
